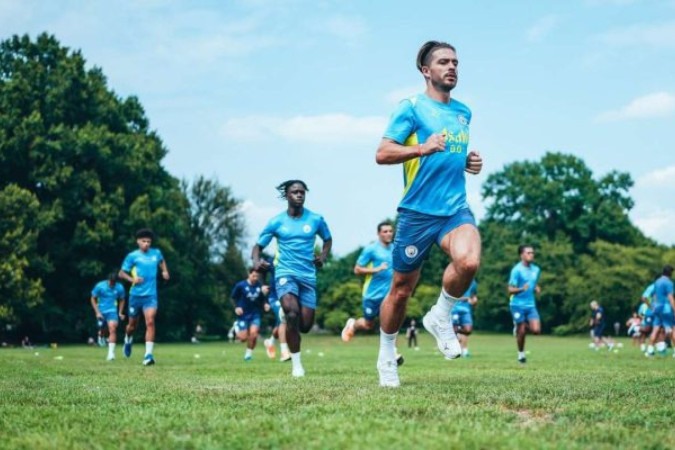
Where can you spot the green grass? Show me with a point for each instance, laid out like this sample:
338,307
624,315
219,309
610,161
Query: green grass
567,397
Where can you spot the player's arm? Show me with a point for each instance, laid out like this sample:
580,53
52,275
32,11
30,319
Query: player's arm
473,300
391,152
234,298
126,277
360,270
94,304
165,269
258,262
325,251
120,307
513,289
671,300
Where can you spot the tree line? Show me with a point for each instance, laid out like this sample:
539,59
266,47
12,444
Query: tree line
81,170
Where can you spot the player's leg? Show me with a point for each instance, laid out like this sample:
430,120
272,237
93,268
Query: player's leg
371,310
135,307
518,317
112,337
283,344
149,313
252,338
291,305
270,349
462,244
465,329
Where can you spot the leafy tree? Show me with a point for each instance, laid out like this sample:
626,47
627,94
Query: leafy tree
559,195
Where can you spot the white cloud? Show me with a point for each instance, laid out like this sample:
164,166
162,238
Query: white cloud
541,28
658,178
326,128
658,225
659,104
395,96
656,35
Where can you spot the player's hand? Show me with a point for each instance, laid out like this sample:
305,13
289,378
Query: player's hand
99,316
265,289
261,264
165,275
382,267
138,280
537,289
319,261
435,143
525,287
266,307
474,163
122,317
238,311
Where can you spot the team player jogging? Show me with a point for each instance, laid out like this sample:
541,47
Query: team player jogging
429,135
140,269
107,299
248,298
375,264
523,285
295,264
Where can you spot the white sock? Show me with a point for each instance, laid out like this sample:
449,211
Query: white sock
128,339
643,347
387,345
465,351
149,346
111,349
284,347
660,346
444,304
249,352
521,355
650,349
271,340
295,359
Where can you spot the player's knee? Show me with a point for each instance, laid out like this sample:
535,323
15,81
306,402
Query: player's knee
468,266
402,293
112,328
305,327
292,318
535,330
368,324
466,330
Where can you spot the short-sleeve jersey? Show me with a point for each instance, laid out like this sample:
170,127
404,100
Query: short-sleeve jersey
143,264
598,316
108,296
520,276
649,292
376,285
663,287
248,297
296,237
433,184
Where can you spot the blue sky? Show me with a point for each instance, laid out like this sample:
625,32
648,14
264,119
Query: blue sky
255,92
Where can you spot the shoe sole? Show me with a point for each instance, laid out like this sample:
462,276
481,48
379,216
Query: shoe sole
149,363
346,335
432,331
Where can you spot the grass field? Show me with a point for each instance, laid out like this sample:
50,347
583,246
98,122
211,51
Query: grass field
206,396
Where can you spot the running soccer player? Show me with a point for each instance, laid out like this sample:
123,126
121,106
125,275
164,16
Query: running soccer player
279,330
462,316
664,305
140,269
429,134
598,326
248,298
107,298
523,285
295,265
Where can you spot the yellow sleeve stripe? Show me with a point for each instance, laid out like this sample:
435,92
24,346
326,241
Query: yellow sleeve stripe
410,167
368,279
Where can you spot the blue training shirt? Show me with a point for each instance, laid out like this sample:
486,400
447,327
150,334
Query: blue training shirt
140,264
376,285
107,296
649,292
520,276
433,184
295,243
662,288
463,301
248,297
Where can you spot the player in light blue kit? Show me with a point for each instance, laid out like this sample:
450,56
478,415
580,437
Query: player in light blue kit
429,134
107,299
140,269
375,263
248,299
664,307
295,264
462,316
523,285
